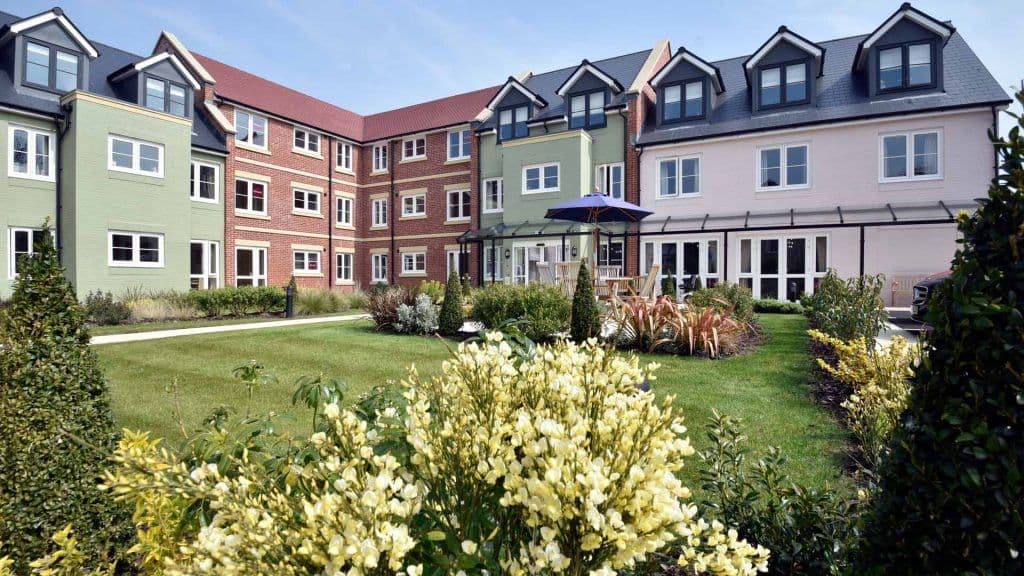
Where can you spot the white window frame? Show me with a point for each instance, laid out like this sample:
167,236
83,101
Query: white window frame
451,257
540,168
492,257
308,138
604,178
465,144
380,158
500,187
136,261
258,254
415,205
210,273
249,183
706,245
306,196
414,258
458,194
347,267
783,167
415,155
379,213
343,159
248,142
378,263
194,182
909,139
11,259
136,156
343,205
32,152
810,261
678,161
306,259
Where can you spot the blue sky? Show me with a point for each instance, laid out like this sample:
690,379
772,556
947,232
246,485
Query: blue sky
373,56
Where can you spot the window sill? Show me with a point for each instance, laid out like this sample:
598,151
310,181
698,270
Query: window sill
457,221
457,160
136,266
412,159
413,217
12,174
304,274
158,175
252,148
307,153
680,196
344,226
379,227
344,283
348,171
783,189
910,180
307,214
253,215
532,192
378,172
412,274
502,211
206,201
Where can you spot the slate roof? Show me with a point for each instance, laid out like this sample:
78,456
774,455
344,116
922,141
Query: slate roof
204,135
841,95
622,68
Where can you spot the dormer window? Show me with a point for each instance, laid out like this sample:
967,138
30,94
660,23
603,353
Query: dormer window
50,68
905,66
783,85
587,110
165,96
512,123
683,101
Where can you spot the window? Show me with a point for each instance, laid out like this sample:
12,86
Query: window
587,110
678,176
204,264
50,68
512,123
453,263
135,156
609,180
250,266
343,212
458,205
540,178
460,145
783,267
165,96
914,156
305,201
305,261
612,257
414,148
306,141
492,265
380,212
672,105
380,158
414,263
379,268
250,129
683,101
905,66
136,249
784,85
494,200
343,267
31,154
684,261
250,196
345,156
204,182
414,205
21,243
783,167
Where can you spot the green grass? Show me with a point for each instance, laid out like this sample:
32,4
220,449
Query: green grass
768,388
177,324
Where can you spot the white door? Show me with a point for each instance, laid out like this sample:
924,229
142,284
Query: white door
527,256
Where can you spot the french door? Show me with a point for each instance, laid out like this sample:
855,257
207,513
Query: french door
527,256
686,260
783,267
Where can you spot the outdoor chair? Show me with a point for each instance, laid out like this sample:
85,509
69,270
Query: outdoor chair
649,283
608,272
566,274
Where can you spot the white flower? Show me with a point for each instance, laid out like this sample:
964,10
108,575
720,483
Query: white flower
469,547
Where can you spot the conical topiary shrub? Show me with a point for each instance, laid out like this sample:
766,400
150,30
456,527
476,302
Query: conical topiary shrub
586,321
450,320
951,494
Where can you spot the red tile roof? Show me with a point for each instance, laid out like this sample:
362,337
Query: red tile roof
262,94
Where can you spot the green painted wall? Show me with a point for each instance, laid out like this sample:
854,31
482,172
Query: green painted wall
24,203
98,200
207,219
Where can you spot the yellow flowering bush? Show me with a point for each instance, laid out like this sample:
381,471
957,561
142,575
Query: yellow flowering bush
558,464
879,377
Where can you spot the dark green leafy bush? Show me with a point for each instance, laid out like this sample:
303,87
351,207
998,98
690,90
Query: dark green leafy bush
238,301
383,303
847,309
769,306
668,287
951,497
545,309
586,321
54,422
101,309
450,321
726,296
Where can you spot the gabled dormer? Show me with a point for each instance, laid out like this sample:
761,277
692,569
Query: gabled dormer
783,72
512,107
687,88
160,82
586,92
46,55
904,54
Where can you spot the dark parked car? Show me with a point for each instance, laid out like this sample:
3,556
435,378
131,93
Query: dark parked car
922,292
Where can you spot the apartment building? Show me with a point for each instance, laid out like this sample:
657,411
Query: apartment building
110,148
852,154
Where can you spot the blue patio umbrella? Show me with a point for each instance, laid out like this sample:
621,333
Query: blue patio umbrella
595,209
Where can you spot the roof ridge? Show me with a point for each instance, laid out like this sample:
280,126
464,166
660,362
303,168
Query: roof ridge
425,102
819,42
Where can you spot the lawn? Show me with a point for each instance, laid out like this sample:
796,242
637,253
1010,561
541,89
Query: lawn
768,388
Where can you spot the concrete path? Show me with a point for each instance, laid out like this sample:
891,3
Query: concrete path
160,334
900,324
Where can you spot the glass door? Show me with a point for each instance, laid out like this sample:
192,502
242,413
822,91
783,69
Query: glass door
686,260
526,258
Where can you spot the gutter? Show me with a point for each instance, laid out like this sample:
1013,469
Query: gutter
59,188
391,209
331,215
995,134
